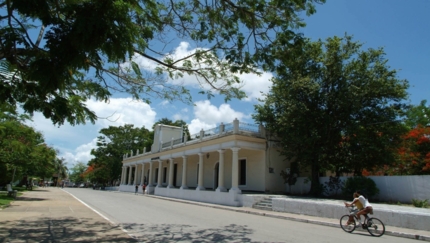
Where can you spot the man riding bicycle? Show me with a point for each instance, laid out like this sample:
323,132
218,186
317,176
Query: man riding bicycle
362,204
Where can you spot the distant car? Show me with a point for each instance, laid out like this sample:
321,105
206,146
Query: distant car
82,185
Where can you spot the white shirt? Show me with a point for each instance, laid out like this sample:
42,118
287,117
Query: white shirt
364,201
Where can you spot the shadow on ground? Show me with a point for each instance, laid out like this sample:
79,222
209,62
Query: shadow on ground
187,233
61,230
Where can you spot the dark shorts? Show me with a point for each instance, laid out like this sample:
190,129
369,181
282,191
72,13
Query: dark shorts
367,210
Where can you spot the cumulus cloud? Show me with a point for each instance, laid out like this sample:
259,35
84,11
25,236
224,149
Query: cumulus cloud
80,154
207,116
252,84
117,112
120,111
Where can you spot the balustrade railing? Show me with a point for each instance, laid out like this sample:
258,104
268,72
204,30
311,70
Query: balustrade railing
222,129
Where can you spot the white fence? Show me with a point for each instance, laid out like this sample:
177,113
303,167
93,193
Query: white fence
391,188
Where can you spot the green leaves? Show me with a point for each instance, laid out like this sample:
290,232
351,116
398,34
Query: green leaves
79,38
22,149
335,107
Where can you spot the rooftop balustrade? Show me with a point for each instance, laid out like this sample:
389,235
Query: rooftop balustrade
236,127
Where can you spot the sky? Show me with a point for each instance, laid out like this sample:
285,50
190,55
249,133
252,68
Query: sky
399,26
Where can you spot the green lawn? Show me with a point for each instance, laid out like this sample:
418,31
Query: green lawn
5,199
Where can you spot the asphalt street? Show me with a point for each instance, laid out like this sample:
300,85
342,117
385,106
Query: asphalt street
150,219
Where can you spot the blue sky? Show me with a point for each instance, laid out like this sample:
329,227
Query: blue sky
400,26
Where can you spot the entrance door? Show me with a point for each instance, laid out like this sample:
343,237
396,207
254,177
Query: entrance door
216,175
175,173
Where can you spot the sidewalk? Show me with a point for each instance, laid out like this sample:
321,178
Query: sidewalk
52,215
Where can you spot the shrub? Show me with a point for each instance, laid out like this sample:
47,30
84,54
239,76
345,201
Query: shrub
364,184
420,203
334,185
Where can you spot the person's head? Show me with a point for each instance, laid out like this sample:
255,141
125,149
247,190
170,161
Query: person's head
360,193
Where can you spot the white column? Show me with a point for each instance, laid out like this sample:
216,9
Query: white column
170,174
221,187
184,173
150,180
142,175
122,176
129,175
235,170
200,186
160,168
135,175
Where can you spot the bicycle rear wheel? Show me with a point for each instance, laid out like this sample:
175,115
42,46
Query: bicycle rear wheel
375,227
347,227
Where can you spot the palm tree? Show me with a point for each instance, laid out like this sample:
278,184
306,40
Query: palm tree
60,169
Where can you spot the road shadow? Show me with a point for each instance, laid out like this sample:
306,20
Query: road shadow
188,233
61,230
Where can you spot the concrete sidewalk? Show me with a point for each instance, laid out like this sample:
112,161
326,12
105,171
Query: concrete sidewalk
52,215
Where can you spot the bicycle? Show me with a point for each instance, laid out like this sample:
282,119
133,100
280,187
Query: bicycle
374,226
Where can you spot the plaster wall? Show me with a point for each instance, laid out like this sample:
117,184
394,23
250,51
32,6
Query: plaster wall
391,188
275,163
222,198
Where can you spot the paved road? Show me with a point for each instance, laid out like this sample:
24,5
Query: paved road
151,219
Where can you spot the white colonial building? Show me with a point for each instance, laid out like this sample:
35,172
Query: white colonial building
215,166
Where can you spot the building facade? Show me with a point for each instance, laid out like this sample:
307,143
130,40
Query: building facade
214,166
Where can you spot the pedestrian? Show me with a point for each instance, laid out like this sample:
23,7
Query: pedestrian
143,188
136,188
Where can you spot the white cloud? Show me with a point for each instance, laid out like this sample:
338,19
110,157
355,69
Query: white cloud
252,84
255,85
207,116
75,142
80,154
120,111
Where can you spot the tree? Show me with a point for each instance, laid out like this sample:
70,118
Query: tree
334,107
418,115
22,150
76,175
113,143
414,154
55,55
60,170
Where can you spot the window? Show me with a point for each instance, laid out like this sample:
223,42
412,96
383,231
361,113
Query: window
242,172
197,175
156,176
164,174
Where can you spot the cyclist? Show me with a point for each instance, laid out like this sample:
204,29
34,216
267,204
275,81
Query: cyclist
362,204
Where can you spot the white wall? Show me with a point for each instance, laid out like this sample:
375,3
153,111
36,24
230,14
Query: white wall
222,198
274,181
391,188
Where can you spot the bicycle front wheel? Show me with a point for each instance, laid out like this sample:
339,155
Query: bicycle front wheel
347,227
375,227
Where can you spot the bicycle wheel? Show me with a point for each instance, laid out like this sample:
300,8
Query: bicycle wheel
375,227
347,227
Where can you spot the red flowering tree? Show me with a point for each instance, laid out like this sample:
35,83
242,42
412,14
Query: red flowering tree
414,155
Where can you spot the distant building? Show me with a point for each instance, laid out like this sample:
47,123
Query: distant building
214,166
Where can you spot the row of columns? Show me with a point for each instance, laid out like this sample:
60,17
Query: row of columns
221,187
